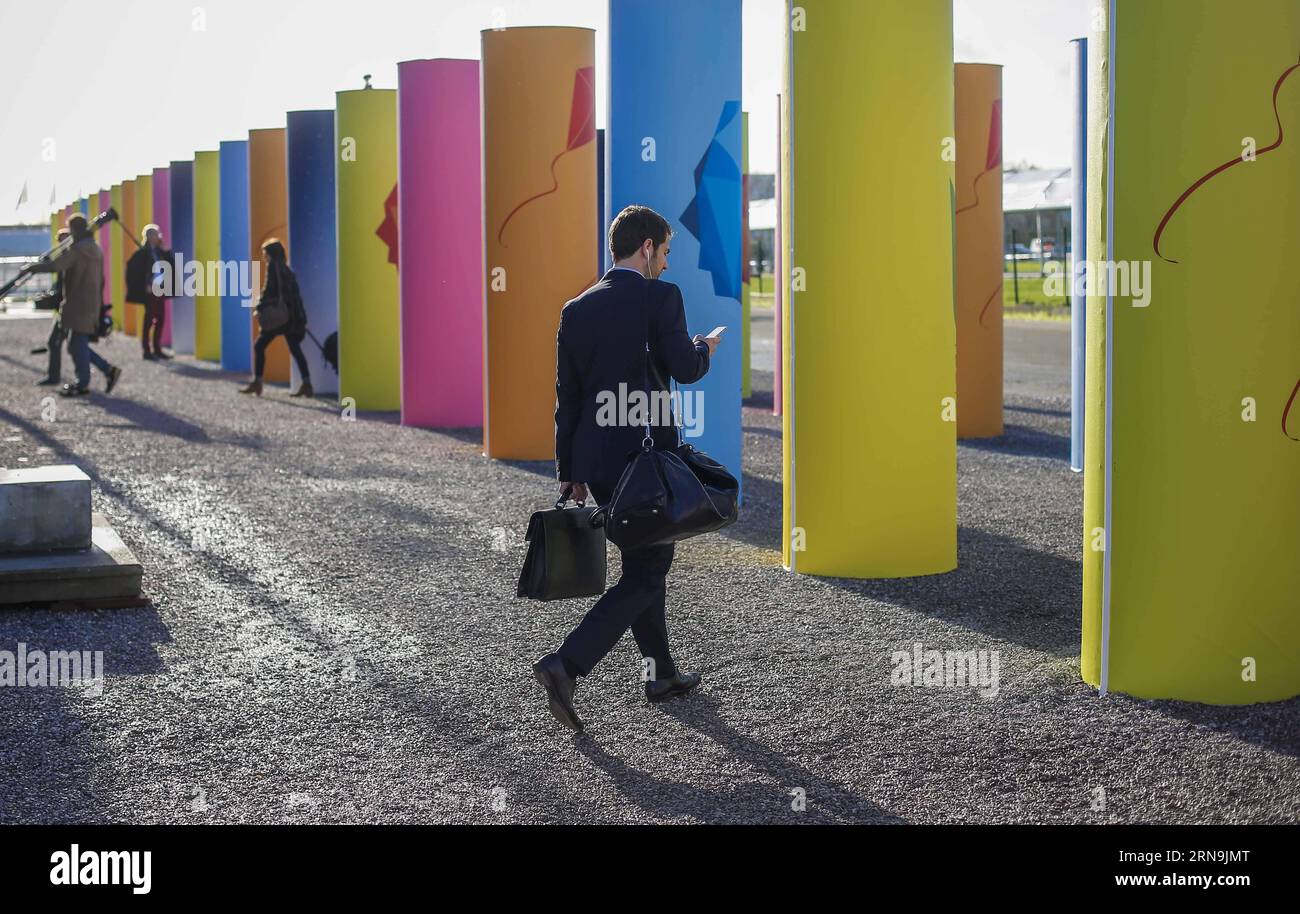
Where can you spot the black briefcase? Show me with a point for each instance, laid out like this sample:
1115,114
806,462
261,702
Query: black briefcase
566,554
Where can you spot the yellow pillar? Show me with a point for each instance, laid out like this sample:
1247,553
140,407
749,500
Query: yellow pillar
870,475
366,146
1192,442
207,250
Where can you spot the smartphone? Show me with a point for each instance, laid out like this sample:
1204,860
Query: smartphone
716,331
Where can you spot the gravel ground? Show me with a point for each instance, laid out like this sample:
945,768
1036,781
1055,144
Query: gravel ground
334,638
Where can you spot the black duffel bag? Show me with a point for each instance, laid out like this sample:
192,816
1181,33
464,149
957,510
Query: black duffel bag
668,496
566,554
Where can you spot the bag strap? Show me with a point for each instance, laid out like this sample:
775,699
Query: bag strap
648,441
650,365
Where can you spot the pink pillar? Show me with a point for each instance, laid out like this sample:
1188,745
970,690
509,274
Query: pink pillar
104,199
162,217
440,232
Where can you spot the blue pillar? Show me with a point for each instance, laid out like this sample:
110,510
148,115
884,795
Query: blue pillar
313,248
181,176
674,144
236,319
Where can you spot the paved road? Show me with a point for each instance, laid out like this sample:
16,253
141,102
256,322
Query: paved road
334,638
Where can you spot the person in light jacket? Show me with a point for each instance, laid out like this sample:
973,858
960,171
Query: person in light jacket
80,268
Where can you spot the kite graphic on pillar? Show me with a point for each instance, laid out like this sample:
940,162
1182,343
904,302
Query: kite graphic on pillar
705,220
582,130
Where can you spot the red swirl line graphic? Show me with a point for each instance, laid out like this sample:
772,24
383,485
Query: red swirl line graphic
555,185
1287,412
989,302
1236,160
975,185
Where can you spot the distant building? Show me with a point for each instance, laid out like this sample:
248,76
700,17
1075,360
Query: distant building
1036,207
24,240
19,245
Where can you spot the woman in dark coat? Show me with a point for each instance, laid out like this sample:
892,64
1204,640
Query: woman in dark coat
280,285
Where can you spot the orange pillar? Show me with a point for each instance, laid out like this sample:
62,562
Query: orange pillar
539,185
268,217
978,101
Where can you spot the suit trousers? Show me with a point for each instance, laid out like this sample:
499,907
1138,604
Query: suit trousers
155,315
637,601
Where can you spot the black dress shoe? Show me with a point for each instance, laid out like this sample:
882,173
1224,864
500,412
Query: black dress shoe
72,390
47,382
559,685
113,374
161,355
677,684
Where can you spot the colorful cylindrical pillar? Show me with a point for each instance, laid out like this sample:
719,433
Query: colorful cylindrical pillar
309,157
238,295
745,276
539,181
440,171
1078,248
143,216
162,217
181,219
104,237
268,218
778,284
207,251
1192,450
602,235
369,351
116,262
978,206
678,150
869,424
129,234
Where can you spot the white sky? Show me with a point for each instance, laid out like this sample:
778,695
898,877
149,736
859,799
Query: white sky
123,86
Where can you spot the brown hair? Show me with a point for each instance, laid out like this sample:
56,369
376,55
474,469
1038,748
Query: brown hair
633,226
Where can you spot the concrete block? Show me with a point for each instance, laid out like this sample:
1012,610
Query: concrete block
44,508
108,569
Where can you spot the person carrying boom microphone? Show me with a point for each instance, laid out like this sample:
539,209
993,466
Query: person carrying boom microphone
80,268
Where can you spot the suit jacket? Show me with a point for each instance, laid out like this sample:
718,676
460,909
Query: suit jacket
139,274
601,344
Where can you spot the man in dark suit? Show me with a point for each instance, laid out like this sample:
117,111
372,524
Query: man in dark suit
140,290
602,344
